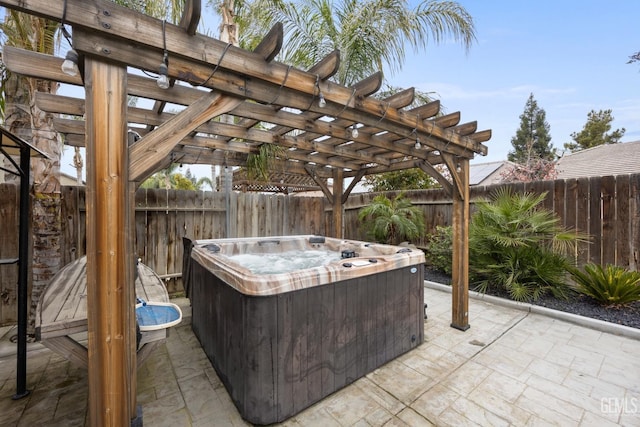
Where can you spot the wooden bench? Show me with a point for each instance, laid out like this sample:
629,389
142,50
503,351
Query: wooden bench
61,316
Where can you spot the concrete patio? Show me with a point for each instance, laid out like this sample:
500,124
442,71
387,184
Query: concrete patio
513,367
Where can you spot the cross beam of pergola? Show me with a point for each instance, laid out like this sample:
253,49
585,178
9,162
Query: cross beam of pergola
267,103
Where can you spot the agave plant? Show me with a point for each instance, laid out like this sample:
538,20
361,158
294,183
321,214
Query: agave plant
519,247
610,285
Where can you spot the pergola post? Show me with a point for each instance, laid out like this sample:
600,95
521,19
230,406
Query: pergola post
110,289
338,185
460,268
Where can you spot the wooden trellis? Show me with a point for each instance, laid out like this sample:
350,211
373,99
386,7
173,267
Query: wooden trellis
210,78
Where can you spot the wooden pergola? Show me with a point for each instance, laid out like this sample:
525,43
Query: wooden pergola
300,110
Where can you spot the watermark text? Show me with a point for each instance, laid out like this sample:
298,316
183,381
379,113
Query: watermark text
616,405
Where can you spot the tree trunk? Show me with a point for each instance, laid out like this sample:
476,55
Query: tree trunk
30,123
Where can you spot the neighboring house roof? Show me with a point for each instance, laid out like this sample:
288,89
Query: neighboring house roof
68,180
611,159
488,173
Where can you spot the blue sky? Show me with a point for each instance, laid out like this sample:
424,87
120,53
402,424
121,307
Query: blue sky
570,54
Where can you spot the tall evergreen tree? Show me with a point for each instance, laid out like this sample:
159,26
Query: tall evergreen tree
532,140
597,131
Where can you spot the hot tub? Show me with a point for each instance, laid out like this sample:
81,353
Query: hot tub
282,341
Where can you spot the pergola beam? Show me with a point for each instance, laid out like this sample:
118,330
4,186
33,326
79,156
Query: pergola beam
434,173
191,16
110,290
146,153
256,136
366,111
254,89
142,86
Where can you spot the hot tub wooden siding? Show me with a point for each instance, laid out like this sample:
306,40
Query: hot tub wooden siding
279,354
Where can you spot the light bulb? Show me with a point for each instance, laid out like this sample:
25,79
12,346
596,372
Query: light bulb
354,132
418,145
321,101
70,63
163,79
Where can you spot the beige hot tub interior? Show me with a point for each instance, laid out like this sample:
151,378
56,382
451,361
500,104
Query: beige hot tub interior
362,259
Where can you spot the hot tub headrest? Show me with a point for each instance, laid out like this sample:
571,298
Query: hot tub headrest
212,247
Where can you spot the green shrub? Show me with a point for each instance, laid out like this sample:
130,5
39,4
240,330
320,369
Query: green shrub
392,220
519,247
610,286
439,248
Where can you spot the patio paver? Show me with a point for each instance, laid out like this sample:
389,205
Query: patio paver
511,367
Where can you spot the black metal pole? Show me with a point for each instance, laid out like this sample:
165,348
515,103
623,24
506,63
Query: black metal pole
23,254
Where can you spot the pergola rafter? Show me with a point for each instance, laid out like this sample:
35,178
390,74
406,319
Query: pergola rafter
268,102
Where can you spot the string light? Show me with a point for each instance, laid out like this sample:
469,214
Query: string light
354,131
70,63
418,145
163,74
163,69
321,101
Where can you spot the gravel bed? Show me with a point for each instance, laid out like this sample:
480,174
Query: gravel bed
578,304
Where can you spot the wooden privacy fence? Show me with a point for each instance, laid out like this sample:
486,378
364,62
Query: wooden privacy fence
164,217
607,208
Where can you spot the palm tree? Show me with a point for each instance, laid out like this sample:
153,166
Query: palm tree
369,34
229,32
169,179
392,221
25,119
520,247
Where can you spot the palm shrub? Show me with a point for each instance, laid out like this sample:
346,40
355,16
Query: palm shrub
391,220
610,285
519,247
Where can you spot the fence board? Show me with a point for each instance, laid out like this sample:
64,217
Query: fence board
595,220
9,225
233,213
70,238
81,248
608,191
292,214
207,218
571,189
240,214
634,206
606,208
623,221
140,216
558,200
582,219
571,195
173,236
